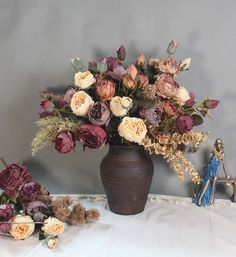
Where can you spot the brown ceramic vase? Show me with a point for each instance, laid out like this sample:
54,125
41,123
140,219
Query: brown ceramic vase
126,173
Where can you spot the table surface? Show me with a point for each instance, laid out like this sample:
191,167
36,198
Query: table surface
169,227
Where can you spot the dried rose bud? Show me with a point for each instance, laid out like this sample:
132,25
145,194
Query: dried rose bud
210,103
140,60
121,53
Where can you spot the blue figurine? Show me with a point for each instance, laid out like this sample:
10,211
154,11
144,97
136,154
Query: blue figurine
205,193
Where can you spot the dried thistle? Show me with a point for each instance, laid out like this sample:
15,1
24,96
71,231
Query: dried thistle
92,215
61,208
49,127
44,196
77,215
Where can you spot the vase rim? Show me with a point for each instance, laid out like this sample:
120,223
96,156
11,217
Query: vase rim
125,146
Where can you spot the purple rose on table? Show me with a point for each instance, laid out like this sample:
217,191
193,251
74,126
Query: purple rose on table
29,191
36,209
12,177
5,228
6,212
184,123
91,136
99,114
65,142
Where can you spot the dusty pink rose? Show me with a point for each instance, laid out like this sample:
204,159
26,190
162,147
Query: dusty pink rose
210,103
169,108
6,212
46,109
184,123
65,142
143,78
91,136
167,87
12,177
189,103
168,65
29,191
105,89
99,114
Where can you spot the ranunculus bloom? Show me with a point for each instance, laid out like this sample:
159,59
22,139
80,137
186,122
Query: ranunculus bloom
210,103
84,80
132,129
169,108
64,142
99,114
182,96
143,78
121,53
112,63
53,227
128,82
29,191
184,123
70,91
120,105
6,212
151,115
189,103
132,71
12,177
22,227
140,60
172,46
105,89
81,103
91,136
46,109
167,87
168,65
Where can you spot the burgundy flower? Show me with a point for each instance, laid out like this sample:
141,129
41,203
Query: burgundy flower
151,115
112,63
91,136
46,109
70,91
99,114
35,206
5,228
29,191
184,123
121,53
189,103
210,103
65,142
12,177
6,212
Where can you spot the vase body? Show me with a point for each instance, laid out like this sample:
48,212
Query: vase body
126,173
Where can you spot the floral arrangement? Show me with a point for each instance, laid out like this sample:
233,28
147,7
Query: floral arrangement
114,103
25,205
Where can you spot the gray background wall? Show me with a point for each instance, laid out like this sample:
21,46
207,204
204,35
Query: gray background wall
38,38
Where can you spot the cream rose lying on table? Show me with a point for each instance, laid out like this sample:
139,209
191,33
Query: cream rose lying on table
22,227
53,226
132,129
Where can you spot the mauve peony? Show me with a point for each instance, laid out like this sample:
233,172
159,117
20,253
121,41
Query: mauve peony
112,63
12,177
6,212
70,91
105,89
168,65
91,136
184,123
121,53
151,115
166,86
169,108
210,103
65,142
99,114
46,109
29,191
5,228
190,103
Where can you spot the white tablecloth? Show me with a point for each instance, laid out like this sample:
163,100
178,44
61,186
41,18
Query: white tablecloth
169,227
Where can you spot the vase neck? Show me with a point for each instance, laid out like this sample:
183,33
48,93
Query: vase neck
125,148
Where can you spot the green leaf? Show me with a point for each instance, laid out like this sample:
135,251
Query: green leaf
197,119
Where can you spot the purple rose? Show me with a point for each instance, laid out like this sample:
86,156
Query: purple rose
5,228
99,114
121,53
65,142
91,136
29,191
6,212
112,63
70,91
210,103
12,177
151,115
184,123
189,103
35,206
46,109
117,72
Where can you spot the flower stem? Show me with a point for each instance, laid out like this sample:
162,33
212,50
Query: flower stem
3,161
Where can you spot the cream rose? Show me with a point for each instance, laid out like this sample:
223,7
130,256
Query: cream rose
22,227
84,80
81,103
182,95
120,105
132,129
53,226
